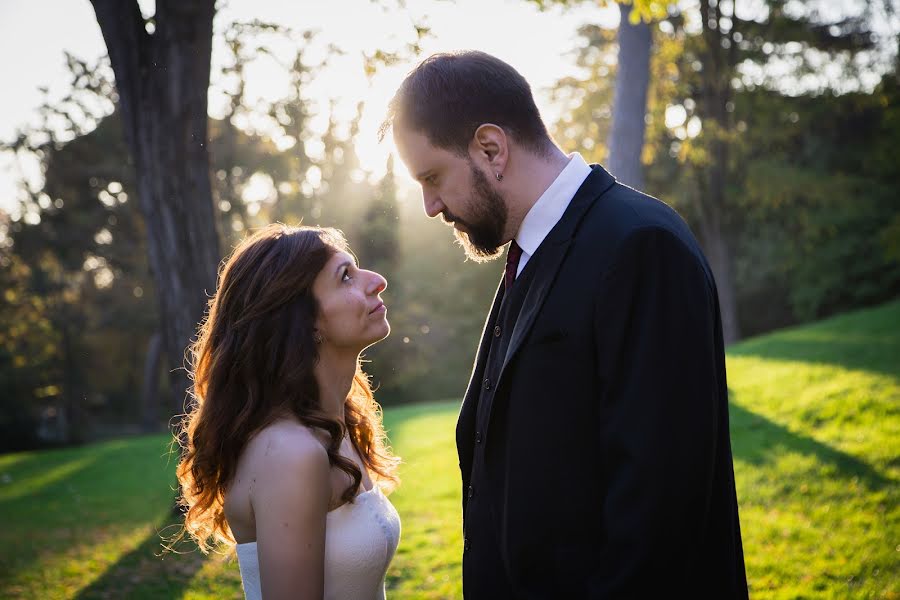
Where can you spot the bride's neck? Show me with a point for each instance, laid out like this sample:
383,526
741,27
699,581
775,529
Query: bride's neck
334,374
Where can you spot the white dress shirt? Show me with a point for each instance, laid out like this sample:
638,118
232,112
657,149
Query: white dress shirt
549,208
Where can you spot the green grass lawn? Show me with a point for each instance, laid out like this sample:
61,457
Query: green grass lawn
815,422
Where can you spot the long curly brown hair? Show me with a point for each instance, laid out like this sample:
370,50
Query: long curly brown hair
252,363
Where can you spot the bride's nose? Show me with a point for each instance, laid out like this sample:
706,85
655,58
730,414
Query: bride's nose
377,284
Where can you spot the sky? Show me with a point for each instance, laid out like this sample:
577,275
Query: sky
38,32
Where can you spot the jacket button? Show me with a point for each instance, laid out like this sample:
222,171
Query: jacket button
471,491
497,331
487,384
467,545
477,437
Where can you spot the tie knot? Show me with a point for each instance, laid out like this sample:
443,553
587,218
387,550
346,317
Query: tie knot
512,263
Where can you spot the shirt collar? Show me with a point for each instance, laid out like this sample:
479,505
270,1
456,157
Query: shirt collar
549,208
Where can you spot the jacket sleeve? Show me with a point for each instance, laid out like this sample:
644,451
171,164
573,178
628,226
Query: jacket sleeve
655,326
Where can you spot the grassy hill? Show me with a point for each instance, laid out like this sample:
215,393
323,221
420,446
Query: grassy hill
815,422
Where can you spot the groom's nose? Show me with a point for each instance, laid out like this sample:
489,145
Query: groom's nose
432,203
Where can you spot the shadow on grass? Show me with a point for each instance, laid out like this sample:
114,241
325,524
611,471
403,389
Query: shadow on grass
757,440
55,501
77,477
148,572
36,486
866,341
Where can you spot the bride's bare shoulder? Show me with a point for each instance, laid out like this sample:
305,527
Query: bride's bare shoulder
286,443
279,462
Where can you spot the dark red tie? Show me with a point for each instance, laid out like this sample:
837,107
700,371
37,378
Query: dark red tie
512,263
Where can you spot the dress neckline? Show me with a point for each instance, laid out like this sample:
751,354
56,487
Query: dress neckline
374,488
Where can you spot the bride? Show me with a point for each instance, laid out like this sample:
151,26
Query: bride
285,453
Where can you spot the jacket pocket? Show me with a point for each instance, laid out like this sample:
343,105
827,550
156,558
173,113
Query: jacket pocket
549,336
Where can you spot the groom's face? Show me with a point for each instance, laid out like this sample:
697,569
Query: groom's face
456,189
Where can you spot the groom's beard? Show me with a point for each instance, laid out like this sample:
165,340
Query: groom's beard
483,237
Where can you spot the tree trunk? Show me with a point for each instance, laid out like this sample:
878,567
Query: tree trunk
718,69
626,138
150,387
716,244
162,80
720,261
74,391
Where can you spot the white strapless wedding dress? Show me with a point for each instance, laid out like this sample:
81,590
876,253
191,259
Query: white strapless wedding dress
360,540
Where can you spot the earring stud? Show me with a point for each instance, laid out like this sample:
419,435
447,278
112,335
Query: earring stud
499,177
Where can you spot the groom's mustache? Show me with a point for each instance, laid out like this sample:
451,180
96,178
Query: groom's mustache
449,218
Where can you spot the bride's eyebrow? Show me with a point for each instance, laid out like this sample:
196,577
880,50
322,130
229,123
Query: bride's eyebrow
346,263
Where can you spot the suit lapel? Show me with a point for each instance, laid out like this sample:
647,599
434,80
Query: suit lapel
551,254
550,261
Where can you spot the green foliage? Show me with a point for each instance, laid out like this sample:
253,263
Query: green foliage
810,204
823,197
815,436
80,309
84,304
23,355
78,255
379,244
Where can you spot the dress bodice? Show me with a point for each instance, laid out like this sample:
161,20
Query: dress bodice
360,540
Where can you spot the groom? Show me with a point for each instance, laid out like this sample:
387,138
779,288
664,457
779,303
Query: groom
593,438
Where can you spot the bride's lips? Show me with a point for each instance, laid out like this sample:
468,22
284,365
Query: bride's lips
380,307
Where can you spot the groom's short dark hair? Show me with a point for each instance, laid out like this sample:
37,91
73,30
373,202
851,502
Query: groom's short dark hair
448,96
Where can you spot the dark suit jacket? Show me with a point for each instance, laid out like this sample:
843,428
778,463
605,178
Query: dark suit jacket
607,461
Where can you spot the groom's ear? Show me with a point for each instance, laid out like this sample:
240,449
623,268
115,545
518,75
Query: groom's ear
490,147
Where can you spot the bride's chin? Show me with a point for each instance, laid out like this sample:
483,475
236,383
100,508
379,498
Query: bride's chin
383,332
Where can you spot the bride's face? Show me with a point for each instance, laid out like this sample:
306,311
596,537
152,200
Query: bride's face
352,315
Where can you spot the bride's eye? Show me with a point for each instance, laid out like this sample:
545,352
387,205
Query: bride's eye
345,276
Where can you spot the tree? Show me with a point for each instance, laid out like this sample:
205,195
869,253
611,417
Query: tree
717,52
728,39
79,248
80,310
707,60
27,350
161,68
818,203
379,250
626,137
76,295
378,237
